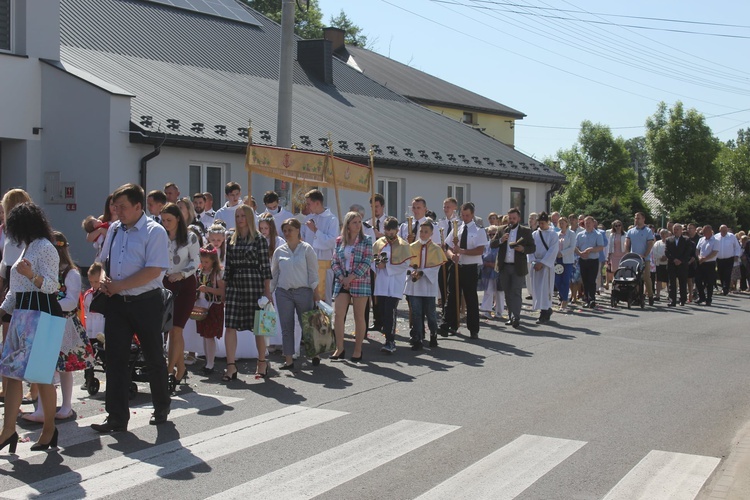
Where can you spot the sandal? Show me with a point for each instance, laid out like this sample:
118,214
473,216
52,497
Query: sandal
265,372
227,377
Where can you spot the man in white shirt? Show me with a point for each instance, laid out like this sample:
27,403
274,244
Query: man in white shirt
233,192
728,256
378,206
543,268
199,202
155,201
419,209
465,250
320,230
707,250
450,209
172,192
280,214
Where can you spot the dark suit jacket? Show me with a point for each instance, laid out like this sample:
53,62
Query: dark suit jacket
520,262
683,252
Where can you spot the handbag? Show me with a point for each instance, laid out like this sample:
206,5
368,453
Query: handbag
100,299
265,321
32,346
167,320
200,310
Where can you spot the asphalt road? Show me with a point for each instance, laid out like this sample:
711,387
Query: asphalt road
604,403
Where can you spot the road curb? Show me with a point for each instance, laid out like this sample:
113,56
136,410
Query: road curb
731,481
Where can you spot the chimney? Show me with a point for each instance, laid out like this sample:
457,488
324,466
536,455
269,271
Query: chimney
336,37
316,58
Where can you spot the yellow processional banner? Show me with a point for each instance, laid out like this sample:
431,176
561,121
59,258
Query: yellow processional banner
308,167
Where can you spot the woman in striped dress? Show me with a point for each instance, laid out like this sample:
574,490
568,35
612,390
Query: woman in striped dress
351,270
248,277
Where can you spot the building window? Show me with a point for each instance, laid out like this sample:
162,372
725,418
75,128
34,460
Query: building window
6,24
468,118
518,200
391,191
208,177
459,192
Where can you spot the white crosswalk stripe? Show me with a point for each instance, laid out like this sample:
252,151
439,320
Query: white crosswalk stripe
79,431
158,461
320,473
664,475
503,474
508,471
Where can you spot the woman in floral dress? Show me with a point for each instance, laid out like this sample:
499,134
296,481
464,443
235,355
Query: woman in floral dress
76,352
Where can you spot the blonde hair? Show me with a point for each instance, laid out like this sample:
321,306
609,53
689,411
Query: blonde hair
250,217
14,197
345,228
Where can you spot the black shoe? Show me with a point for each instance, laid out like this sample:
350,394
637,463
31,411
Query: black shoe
592,304
433,341
289,367
12,442
672,304
342,355
159,417
51,444
700,301
708,303
208,371
529,297
516,323
542,319
356,360
315,361
510,320
474,335
651,301
682,302
417,346
108,427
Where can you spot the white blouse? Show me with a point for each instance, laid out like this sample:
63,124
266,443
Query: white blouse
45,261
72,291
184,259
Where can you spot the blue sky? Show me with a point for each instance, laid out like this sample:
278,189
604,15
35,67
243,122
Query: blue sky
560,72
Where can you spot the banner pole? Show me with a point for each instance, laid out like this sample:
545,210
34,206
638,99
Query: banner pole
335,182
372,186
247,158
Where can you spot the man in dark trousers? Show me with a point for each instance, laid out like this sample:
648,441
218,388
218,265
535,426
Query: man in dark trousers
137,248
679,250
515,242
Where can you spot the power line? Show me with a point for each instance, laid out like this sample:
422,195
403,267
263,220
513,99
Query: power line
645,18
607,23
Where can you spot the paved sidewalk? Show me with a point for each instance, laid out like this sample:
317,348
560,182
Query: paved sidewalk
732,478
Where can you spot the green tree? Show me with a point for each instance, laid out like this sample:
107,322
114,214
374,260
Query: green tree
608,210
682,151
354,35
733,162
596,167
704,209
308,18
636,146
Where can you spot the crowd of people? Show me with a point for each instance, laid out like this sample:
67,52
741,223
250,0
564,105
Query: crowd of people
222,267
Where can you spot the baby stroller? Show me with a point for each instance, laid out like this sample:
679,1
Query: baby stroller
136,365
628,283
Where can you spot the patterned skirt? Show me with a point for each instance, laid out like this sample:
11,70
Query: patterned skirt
76,352
213,326
243,291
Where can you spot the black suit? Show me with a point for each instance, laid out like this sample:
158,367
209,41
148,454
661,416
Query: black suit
681,249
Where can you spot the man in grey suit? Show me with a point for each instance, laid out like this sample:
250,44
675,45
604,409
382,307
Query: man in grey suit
515,242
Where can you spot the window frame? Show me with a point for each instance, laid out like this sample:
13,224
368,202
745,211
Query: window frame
522,208
11,28
204,166
398,196
472,118
451,192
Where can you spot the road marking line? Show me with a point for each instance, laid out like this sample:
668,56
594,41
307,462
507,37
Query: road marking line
95,481
320,473
665,475
79,431
508,471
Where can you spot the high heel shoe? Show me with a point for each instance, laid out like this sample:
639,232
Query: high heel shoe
226,377
356,360
51,444
11,443
342,355
265,372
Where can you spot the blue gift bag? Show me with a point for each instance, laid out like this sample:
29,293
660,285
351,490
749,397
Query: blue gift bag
32,346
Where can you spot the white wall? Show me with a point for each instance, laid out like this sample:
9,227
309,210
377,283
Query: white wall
20,99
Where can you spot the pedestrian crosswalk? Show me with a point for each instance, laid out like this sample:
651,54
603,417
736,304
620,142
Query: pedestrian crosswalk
502,474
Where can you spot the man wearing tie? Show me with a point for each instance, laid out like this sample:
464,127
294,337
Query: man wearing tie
155,201
678,251
419,209
515,242
466,257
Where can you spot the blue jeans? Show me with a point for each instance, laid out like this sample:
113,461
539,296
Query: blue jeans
562,281
421,307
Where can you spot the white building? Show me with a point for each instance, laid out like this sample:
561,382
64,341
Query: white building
97,93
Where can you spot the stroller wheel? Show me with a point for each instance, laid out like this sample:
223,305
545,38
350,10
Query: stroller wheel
133,390
93,386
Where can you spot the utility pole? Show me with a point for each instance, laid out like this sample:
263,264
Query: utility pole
284,117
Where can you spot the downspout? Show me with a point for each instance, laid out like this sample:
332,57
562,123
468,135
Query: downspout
144,161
